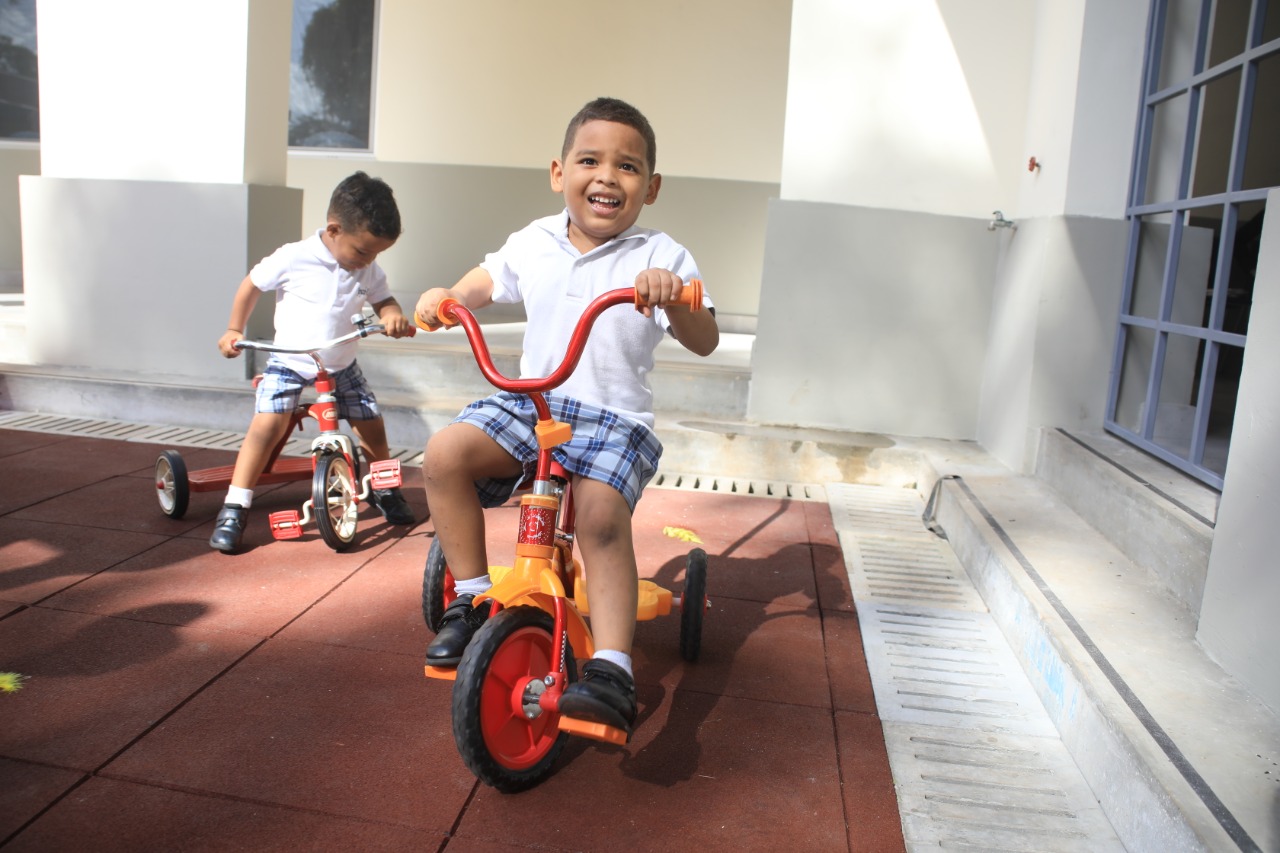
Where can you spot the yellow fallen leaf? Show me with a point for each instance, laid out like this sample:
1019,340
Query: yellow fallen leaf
11,682
682,534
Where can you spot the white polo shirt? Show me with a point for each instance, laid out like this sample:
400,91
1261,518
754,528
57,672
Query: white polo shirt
541,268
315,299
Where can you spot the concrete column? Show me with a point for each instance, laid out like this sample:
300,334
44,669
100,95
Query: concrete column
1238,624
163,160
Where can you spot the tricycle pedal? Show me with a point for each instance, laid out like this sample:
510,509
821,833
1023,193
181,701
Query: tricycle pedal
444,673
285,524
595,731
385,474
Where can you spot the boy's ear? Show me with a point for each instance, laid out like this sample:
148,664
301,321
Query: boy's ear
557,176
655,184
332,228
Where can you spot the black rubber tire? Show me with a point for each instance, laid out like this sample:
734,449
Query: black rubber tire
693,604
498,744
333,500
172,486
437,587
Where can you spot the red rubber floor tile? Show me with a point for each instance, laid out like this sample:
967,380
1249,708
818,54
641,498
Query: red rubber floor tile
37,559
727,775
749,649
870,803
20,441
185,582
28,790
95,683
379,607
109,815
339,731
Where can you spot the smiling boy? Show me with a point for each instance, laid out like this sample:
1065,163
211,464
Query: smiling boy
556,266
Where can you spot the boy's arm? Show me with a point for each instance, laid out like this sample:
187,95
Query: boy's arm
697,331
390,315
474,290
241,307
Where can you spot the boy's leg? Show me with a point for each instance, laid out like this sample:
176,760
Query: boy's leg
372,433
455,458
606,693
604,538
373,437
265,431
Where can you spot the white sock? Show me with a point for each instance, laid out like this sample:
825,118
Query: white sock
237,495
622,659
474,586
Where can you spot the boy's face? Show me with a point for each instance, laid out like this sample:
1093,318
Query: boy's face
353,250
605,181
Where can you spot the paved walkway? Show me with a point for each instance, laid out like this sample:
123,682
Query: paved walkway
180,699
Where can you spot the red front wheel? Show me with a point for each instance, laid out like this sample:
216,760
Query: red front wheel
506,739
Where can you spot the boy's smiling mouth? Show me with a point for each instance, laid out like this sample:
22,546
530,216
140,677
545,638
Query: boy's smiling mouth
604,202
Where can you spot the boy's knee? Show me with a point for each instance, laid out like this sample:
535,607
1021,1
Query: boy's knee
445,456
604,523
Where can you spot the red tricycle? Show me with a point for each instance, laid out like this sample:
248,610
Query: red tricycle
333,465
507,687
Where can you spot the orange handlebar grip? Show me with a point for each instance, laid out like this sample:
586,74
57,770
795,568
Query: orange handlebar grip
443,313
691,295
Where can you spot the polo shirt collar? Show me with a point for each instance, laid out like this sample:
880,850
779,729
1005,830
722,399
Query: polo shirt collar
558,226
322,254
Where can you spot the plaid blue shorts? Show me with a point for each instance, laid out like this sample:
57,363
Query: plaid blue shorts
607,447
281,389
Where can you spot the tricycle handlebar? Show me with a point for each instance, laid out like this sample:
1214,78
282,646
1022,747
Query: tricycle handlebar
266,346
451,312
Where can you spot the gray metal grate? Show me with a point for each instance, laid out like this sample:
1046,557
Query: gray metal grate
176,436
739,487
977,762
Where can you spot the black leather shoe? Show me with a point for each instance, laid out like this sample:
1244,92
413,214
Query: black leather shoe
392,505
457,626
605,694
229,528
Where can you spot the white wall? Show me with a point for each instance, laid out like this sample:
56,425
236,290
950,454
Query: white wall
872,320
912,105
494,82
161,89
1238,624
1107,95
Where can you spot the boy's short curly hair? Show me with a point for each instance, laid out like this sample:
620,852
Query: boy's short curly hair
362,203
612,109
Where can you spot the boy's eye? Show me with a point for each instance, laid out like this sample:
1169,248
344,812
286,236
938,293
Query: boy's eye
587,161
628,167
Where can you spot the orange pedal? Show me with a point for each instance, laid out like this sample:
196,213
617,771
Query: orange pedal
595,731
386,474
444,673
285,524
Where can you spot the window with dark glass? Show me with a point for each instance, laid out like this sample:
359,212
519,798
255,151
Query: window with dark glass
1205,158
331,74
19,88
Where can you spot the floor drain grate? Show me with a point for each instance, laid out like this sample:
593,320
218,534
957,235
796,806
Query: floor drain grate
173,436
739,487
976,760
